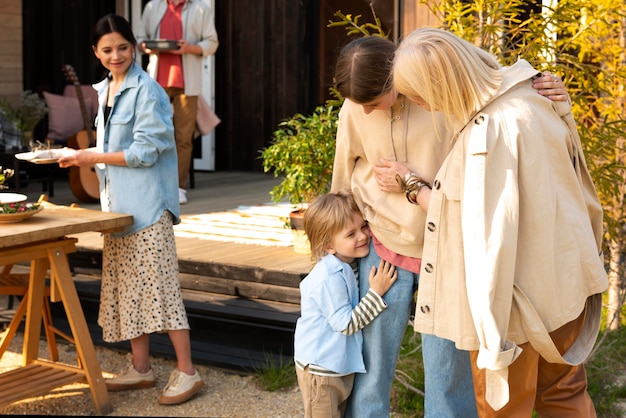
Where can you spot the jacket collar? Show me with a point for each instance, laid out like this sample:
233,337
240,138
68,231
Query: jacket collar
517,73
131,79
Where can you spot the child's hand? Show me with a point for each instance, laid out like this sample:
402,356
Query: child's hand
381,280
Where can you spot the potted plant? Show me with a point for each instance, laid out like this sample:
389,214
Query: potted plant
26,115
302,151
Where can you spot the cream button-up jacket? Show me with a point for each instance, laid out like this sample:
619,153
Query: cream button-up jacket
513,234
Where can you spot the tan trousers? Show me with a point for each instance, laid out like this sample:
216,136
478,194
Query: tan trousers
185,112
324,396
553,390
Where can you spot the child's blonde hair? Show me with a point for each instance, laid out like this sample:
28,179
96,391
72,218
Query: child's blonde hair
325,217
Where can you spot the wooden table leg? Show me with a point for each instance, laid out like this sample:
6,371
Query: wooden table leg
36,291
84,346
13,325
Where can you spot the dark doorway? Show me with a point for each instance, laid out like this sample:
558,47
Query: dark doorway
58,32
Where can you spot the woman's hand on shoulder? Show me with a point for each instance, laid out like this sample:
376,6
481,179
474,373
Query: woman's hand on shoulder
551,86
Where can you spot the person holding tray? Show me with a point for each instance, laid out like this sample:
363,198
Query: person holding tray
188,26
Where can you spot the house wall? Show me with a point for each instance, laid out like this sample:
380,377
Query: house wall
11,62
415,15
262,74
275,58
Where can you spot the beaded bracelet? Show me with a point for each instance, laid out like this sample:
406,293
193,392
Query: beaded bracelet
411,185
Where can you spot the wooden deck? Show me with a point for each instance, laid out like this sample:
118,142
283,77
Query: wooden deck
242,300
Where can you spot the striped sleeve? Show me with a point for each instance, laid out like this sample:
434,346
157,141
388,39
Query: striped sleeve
368,308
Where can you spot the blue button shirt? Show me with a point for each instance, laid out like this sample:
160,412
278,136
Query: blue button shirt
141,125
329,293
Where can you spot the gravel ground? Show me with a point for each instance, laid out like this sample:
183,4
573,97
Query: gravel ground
226,393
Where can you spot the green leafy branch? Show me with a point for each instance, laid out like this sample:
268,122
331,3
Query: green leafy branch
353,27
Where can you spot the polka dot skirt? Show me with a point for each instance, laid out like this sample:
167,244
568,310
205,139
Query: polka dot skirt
140,288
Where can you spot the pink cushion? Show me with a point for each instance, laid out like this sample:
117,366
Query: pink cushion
64,116
88,94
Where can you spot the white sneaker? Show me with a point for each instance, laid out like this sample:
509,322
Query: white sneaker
182,196
181,387
130,378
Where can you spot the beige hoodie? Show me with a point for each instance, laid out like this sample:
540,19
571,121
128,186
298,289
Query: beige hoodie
362,140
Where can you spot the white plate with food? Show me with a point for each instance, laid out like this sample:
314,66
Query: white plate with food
6,218
43,156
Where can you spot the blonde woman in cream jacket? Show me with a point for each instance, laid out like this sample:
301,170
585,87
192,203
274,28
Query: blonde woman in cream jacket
512,268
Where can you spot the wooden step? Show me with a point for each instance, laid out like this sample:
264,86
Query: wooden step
227,331
262,312
242,301
91,259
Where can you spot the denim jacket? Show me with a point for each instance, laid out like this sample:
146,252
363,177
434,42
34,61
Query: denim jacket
329,293
140,124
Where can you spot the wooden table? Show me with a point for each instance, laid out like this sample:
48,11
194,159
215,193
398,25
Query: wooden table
42,240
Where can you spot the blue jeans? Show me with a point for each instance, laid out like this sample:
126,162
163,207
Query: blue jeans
449,390
381,343
448,394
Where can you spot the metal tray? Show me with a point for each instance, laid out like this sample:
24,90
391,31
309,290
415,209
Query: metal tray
162,45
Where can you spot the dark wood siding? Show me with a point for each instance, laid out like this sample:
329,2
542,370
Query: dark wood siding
11,49
276,58
58,32
261,76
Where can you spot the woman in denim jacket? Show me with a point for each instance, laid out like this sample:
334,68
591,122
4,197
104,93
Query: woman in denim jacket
136,163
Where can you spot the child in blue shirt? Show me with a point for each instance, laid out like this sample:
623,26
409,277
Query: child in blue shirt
328,340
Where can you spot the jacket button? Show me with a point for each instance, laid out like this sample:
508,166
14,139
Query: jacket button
437,185
425,309
479,120
428,268
431,226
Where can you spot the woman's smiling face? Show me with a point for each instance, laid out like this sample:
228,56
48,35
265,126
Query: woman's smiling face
115,53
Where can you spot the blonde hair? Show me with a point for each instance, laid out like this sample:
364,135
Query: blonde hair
450,74
325,217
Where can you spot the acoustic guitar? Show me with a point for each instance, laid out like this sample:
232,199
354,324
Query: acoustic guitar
83,180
